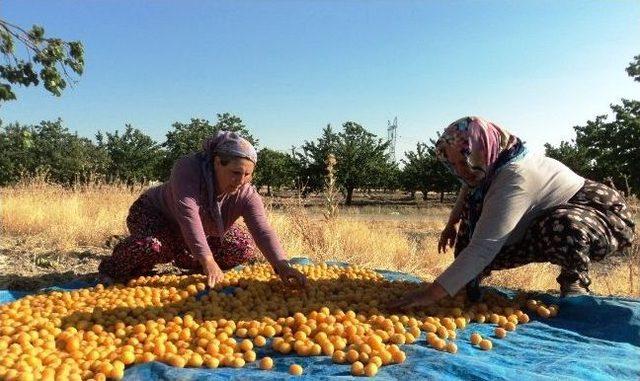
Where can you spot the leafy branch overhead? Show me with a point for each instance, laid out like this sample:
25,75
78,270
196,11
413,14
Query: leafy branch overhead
51,61
633,70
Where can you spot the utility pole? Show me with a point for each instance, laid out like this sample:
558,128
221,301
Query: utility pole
392,132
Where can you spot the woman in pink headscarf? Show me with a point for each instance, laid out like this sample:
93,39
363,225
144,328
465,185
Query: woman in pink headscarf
516,208
189,220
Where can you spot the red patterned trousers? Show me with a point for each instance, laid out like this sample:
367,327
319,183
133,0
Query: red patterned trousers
155,240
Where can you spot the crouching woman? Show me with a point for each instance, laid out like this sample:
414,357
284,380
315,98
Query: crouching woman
189,220
516,208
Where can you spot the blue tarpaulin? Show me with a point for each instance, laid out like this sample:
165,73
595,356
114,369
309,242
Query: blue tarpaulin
593,338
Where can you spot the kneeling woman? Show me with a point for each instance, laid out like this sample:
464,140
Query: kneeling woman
516,208
189,219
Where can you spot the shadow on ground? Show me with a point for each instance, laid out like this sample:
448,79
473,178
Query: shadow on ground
34,282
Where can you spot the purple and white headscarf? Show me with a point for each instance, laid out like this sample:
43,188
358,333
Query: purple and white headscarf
230,143
226,143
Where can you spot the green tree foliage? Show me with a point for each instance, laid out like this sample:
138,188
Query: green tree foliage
443,180
48,60
362,160
417,170
633,70
389,179
311,160
48,147
15,142
422,171
65,156
133,157
614,147
275,169
186,138
607,149
572,156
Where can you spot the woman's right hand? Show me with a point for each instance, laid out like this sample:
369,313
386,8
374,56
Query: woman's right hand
447,238
212,271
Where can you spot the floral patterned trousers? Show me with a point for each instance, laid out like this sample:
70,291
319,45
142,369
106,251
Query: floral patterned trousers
155,240
594,223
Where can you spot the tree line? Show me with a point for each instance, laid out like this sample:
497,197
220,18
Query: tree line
603,150
607,150
131,156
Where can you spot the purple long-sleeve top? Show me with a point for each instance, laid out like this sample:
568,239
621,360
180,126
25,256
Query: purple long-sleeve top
183,199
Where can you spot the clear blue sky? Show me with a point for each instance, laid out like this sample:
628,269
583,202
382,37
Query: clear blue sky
288,68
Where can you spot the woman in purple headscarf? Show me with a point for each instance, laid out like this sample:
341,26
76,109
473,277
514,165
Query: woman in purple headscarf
516,208
189,220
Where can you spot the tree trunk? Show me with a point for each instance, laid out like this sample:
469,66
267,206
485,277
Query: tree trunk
268,190
442,197
349,196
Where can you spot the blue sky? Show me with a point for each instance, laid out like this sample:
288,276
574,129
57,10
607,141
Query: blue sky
288,68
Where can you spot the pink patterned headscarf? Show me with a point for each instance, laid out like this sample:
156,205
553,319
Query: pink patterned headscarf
479,140
487,148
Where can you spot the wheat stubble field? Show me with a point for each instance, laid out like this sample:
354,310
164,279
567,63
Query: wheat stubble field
52,234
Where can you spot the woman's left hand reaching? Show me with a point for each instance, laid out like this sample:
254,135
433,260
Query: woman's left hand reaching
422,297
289,275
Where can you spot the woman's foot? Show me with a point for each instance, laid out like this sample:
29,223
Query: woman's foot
572,289
570,284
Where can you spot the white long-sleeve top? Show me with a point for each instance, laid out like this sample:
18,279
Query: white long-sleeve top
519,193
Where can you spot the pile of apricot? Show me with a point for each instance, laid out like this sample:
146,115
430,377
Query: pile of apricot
95,333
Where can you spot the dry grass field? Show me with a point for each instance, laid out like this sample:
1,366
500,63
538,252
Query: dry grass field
52,234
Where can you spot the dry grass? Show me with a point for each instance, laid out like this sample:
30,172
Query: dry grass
375,243
396,238
65,218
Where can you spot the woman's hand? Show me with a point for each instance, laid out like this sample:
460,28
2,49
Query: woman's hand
422,297
212,271
290,276
447,237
